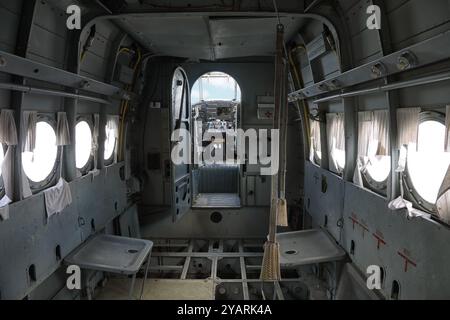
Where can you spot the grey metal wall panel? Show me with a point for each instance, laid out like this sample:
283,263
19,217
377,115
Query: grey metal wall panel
9,23
423,241
248,222
29,238
218,179
414,21
47,47
326,206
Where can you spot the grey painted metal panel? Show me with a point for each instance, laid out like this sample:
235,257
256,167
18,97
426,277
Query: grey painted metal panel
430,51
8,21
411,21
47,47
35,70
218,179
29,238
324,207
249,222
402,237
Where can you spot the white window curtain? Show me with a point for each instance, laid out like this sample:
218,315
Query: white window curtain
373,136
58,197
408,126
62,130
373,139
315,138
8,136
112,127
95,140
365,132
29,120
8,130
335,138
447,127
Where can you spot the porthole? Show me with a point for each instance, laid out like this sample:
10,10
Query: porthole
378,168
83,144
110,142
376,173
427,162
40,165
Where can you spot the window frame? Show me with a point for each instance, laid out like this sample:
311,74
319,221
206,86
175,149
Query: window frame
51,178
379,187
411,193
89,164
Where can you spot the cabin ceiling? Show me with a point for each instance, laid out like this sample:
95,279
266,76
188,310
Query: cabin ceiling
201,37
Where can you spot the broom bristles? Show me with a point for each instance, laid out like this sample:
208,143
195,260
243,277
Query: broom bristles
270,270
282,219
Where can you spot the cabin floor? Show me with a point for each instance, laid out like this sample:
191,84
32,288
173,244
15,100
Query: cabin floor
208,269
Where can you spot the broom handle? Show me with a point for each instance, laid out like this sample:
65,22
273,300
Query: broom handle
283,136
276,125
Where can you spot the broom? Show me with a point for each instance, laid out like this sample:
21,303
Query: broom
270,269
282,203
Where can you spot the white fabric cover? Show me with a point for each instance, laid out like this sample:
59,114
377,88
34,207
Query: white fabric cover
4,208
112,123
315,138
373,135
400,204
26,190
29,120
335,137
447,127
365,132
57,198
95,139
8,130
357,175
62,130
373,140
408,126
7,172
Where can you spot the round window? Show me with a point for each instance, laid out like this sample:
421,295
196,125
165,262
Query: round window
428,164
379,168
110,142
38,165
83,144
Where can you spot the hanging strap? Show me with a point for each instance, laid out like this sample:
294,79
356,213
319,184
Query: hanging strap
276,125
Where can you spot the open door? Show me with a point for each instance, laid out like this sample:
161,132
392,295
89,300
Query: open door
180,133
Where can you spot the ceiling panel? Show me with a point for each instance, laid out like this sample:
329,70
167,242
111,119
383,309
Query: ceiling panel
202,37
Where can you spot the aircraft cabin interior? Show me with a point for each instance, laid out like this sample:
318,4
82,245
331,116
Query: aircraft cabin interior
224,150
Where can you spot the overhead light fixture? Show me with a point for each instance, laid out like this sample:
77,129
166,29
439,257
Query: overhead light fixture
406,60
378,70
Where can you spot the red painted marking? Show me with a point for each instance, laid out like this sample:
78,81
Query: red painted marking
355,221
364,229
407,261
380,241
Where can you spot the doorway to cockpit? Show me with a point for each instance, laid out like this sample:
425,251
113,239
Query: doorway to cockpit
216,104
